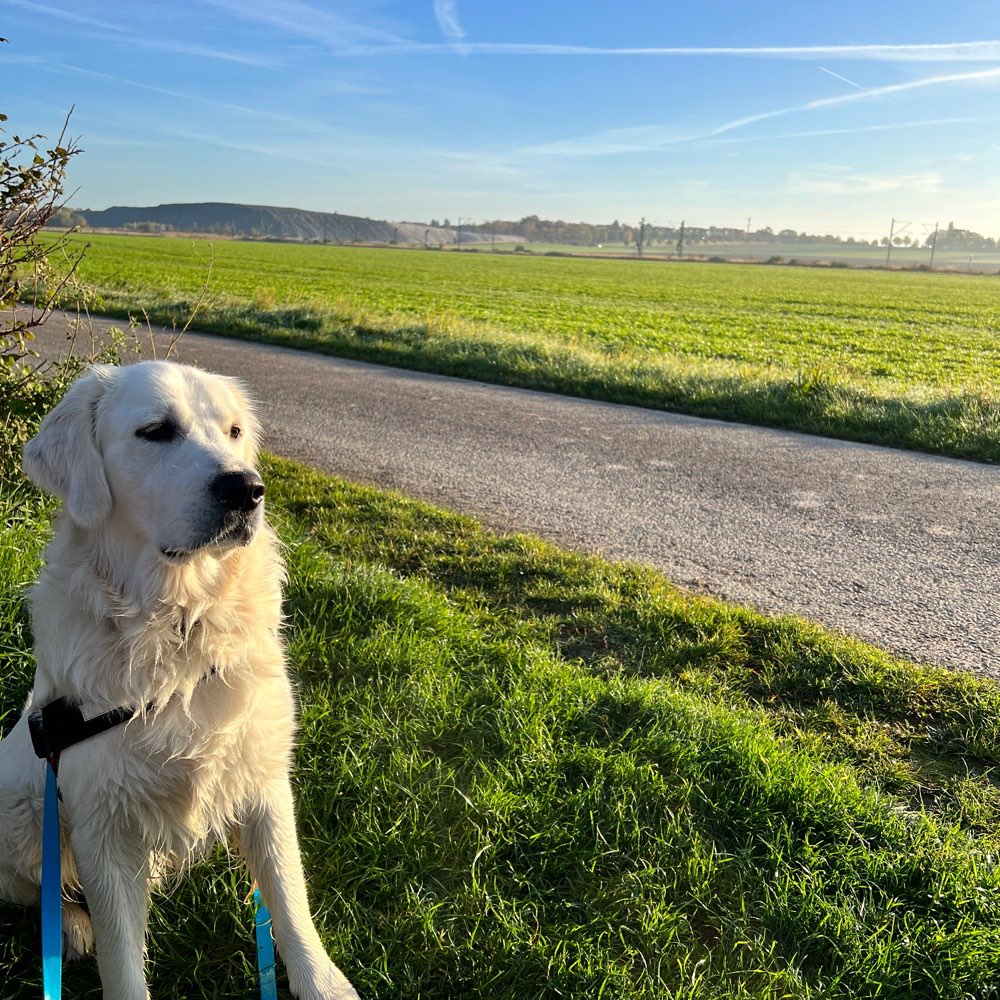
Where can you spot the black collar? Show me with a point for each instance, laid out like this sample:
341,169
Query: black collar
60,725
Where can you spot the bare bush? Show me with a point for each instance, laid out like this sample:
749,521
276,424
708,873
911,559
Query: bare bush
33,269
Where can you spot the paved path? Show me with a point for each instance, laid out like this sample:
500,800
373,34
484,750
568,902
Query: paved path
895,547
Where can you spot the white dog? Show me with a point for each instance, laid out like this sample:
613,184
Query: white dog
161,596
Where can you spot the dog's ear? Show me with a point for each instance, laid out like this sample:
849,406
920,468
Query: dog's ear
63,458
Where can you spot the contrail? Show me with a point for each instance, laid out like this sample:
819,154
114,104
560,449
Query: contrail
839,77
980,51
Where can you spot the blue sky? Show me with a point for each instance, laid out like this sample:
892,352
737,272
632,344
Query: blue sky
823,116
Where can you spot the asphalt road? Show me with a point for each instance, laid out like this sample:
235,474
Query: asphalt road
897,548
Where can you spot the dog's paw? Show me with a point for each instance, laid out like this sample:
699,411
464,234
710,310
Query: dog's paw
325,983
77,932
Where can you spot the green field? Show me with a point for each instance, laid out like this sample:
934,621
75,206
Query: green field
900,358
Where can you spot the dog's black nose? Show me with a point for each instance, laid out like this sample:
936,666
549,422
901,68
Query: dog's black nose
238,490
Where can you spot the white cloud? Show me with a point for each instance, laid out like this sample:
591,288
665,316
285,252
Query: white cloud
64,15
317,24
834,180
200,51
610,143
281,151
294,123
888,127
117,32
446,12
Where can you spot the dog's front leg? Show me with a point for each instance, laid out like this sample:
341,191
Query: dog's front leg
268,843
114,872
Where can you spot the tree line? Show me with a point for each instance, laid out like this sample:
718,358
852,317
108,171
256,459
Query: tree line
532,229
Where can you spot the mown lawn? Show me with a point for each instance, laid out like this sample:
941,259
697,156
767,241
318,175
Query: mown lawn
526,773
906,359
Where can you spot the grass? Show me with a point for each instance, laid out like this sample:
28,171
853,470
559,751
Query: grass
525,773
904,359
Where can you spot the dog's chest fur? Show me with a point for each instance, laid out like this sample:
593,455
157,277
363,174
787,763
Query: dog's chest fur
204,667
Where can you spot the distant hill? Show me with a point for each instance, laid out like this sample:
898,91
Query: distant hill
268,222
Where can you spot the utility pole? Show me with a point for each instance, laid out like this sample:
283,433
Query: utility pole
933,246
748,229
680,238
493,236
903,226
459,240
639,239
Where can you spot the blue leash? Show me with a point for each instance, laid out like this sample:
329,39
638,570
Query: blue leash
52,907
51,890
265,947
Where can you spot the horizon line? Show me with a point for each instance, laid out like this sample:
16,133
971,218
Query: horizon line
473,223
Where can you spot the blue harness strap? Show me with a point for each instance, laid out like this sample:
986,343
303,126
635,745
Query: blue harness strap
51,889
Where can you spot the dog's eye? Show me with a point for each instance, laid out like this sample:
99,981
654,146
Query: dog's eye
164,430
235,432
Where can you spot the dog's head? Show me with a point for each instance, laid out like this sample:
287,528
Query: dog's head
166,450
